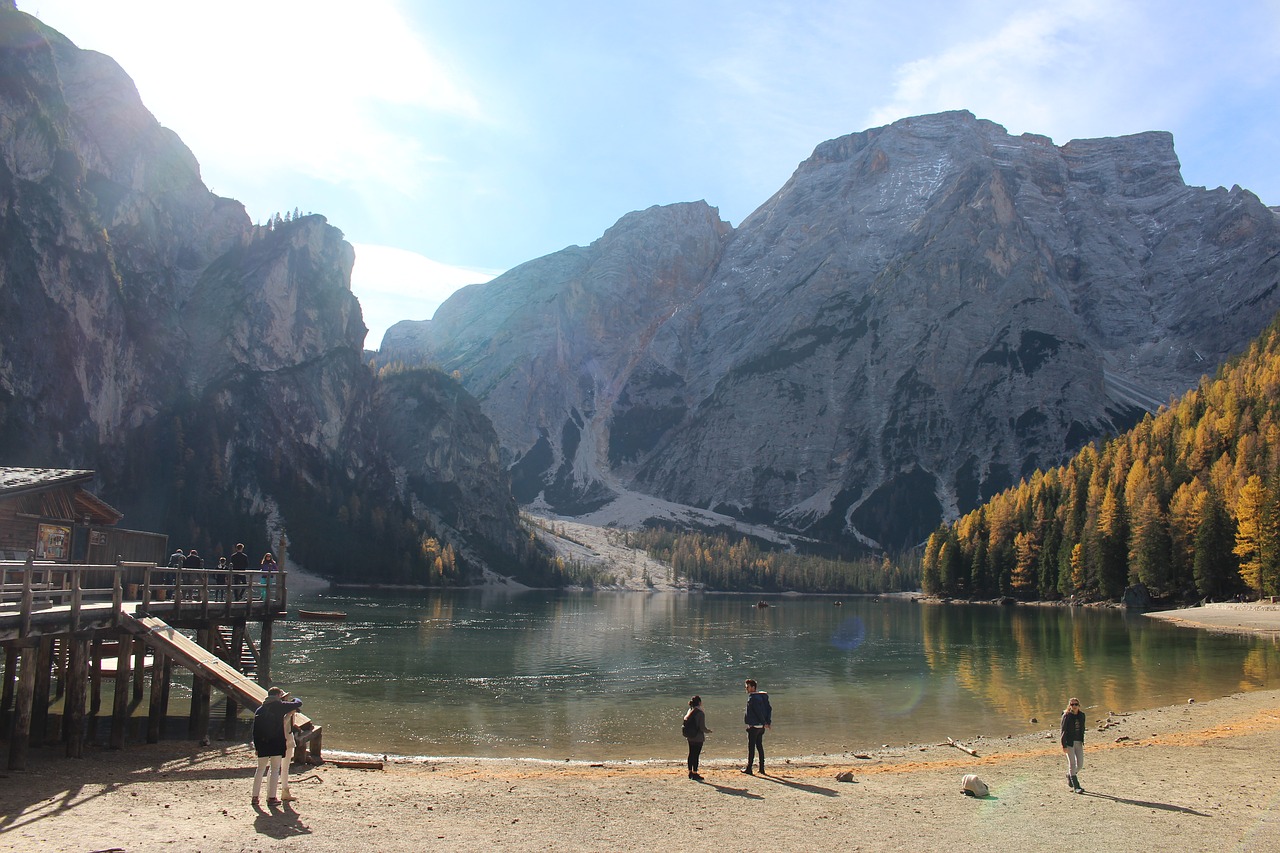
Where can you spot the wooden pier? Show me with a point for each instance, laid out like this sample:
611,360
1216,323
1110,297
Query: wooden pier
65,629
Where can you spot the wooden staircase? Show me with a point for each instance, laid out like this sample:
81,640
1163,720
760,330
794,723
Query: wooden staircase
244,658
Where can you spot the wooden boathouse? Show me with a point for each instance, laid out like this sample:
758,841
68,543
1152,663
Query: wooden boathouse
72,630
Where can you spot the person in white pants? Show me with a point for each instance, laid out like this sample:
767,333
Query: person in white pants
1073,743
272,724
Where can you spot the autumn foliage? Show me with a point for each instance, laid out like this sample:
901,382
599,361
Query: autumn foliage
1187,503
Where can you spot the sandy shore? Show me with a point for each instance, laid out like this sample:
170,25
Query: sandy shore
1248,618
1200,776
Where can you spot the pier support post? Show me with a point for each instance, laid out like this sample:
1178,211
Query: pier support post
159,694
95,684
264,652
40,698
198,722
73,702
166,682
19,738
120,703
60,660
234,656
10,680
139,669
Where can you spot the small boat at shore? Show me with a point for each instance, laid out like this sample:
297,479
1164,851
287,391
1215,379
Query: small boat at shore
322,615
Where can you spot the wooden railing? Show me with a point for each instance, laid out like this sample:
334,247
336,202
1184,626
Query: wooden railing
201,591
34,585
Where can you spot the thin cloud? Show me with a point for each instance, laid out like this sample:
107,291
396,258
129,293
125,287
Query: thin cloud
396,284
1040,71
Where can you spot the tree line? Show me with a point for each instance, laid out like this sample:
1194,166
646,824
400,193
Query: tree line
717,561
1187,503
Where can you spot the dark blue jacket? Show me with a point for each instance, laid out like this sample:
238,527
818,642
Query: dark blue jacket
759,712
268,726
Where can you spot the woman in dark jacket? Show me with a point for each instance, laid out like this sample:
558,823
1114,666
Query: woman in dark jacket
1073,742
696,724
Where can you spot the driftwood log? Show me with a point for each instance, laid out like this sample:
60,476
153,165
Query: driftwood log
963,748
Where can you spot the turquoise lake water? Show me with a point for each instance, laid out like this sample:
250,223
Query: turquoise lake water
607,676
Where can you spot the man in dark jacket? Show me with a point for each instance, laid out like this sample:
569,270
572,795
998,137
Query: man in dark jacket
239,562
271,738
759,717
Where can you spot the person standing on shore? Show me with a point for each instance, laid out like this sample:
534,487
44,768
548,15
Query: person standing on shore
1073,743
759,716
271,730
695,726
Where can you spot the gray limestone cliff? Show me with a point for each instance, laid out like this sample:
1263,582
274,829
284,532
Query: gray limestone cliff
209,369
923,314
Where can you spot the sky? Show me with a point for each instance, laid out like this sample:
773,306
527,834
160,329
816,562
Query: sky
451,141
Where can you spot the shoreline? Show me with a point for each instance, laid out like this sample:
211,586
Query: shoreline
1229,617
1194,776
1187,777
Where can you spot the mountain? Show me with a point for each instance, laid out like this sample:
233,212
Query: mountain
209,369
925,313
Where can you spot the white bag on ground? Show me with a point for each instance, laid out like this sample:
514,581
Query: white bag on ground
972,786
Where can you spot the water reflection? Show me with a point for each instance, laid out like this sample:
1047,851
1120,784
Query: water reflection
607,675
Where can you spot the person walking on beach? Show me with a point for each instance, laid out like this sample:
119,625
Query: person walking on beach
271,730
759,716
696,731
1073,743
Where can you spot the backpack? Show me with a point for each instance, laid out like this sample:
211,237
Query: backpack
689,728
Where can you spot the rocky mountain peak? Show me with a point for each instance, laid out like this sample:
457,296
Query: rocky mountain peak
923,313
211,370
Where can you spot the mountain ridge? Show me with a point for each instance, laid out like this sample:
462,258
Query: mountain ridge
208,369
922,314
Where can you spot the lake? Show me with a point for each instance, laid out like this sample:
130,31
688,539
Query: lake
607,675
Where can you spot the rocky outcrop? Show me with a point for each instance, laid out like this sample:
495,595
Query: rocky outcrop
924,313
547,349
209,369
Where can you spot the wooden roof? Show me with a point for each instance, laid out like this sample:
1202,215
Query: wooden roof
17,480
56,493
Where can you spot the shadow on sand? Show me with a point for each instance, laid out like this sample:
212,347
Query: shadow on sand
1144,804
734,792
280,822
799,786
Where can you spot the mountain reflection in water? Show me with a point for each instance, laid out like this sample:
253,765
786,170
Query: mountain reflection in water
595,676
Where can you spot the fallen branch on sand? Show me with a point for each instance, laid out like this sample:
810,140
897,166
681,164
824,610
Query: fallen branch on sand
962,747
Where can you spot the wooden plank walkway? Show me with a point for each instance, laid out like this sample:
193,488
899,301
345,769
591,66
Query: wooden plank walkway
163,637
56,618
